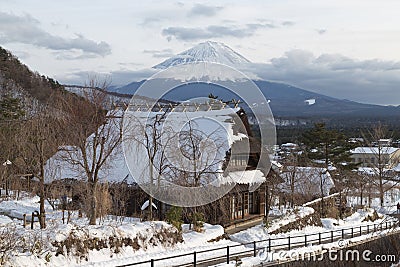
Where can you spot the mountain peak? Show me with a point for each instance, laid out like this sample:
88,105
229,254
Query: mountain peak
208,51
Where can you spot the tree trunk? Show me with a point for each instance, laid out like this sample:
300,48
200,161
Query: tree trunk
151,208
93,203
42,213
381,193
292,181
151,191
267,203
322,199
42,218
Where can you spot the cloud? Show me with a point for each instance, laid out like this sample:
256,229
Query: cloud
214,31
160,53
204,10
183,33
117,77
288,23
150,22
27,30
368,81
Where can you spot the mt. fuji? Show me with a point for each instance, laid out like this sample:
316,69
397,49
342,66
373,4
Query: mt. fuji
206,52
285,100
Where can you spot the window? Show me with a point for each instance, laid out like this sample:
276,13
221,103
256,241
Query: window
239,160
251,204
239,205
246,203
233,207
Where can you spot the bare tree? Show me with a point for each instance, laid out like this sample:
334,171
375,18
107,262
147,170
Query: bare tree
272,190
96,133
41,132
381,177
292,162
149,134
120,193
200,156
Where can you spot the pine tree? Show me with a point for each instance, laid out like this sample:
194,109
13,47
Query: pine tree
329,146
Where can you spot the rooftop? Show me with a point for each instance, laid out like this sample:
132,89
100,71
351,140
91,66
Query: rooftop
375,150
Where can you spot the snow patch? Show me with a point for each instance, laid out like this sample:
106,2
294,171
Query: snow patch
146,204
310,102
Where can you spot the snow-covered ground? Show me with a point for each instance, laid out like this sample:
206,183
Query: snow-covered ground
355,220
391,198
259,233
148,235
43,243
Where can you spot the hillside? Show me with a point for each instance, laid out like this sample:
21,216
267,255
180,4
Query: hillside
17,77
34,115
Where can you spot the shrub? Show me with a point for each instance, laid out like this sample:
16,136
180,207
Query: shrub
198,221
174,217
79,243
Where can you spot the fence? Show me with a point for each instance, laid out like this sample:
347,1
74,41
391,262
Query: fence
230,252
64,215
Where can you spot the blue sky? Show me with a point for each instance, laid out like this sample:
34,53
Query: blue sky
345,49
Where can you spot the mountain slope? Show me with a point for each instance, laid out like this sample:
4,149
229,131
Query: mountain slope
39,100
291,101
285,100
205,52
16,77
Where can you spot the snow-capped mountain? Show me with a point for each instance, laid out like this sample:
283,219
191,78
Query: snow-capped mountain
285,100
206,52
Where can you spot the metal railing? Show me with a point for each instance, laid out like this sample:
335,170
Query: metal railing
228,253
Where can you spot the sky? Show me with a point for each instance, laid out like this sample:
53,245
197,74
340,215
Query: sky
345,49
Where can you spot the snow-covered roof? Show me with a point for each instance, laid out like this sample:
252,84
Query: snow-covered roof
319,161
367,170
307,180
373,171
333,168
205,120
64,163
276,164
116,169
247,177
252,178
375,150
289,145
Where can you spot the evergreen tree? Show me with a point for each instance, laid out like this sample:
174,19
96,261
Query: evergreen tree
330,146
